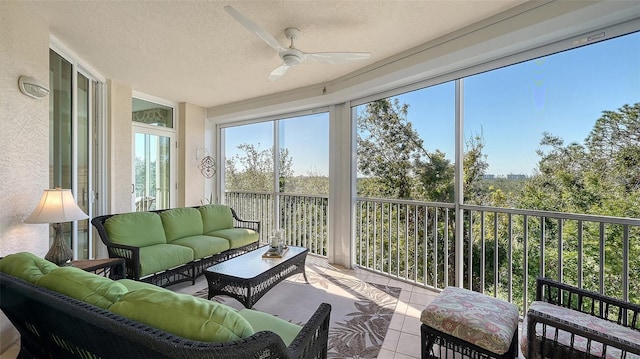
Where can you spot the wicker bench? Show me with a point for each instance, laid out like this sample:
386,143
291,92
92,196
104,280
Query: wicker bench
568,322
471,324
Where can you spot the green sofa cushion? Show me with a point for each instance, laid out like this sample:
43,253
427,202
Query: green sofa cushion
138,229
132,285
87,287
181,222
203,246
160,257
262,321
26,266
184,315
237,237
216,217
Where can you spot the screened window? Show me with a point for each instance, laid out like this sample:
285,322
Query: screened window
405,146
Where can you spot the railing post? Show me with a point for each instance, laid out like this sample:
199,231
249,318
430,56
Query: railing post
458,187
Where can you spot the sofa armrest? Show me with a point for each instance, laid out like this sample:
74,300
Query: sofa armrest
130,254
241,223
313,338
550,328
596,304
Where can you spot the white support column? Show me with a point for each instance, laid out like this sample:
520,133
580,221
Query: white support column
341,187
276,174
458,185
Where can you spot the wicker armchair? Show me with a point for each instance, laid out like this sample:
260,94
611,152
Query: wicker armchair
52,325
568,322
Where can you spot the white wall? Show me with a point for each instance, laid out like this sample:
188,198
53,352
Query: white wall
120,155
191,135
24,136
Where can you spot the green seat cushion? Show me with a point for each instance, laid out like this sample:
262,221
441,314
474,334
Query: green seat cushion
262,321
203,246
26,266
160,257
237,237
216,217
132,285
183,315
181,222
87,287
138,229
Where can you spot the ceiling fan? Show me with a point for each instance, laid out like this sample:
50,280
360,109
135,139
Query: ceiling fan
291,56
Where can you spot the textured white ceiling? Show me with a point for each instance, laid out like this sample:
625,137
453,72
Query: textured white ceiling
193,51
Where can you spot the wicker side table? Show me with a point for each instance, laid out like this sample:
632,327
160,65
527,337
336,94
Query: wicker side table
113,268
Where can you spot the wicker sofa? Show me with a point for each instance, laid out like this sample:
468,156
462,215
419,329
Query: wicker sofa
568,322
64,312
164,247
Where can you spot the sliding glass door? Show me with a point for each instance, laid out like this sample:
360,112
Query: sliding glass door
72,115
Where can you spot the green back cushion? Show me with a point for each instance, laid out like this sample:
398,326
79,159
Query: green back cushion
138,229
26,266
183,315
181,222
262,321
216,217
87,287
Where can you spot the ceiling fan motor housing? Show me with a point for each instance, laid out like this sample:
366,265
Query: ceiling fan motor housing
292,57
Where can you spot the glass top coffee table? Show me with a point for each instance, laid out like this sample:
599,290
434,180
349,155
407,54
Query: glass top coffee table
250,276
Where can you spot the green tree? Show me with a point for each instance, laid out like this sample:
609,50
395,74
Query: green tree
396,164
599,177
389,149
252,169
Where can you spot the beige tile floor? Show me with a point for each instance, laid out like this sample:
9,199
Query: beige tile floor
403,337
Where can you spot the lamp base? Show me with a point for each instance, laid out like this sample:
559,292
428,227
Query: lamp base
59,253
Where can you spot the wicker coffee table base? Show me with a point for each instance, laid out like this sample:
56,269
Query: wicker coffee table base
249,290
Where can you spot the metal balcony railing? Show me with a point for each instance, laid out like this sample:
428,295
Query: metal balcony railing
504,250
302,217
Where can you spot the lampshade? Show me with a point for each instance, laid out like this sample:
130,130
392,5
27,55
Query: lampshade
56,206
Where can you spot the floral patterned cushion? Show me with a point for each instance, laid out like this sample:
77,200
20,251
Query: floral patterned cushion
584,320
487,322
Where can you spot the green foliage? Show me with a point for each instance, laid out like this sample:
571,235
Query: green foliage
253,170
388,148
395,163
141,178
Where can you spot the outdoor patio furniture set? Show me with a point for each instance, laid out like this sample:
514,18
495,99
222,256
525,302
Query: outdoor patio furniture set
563,322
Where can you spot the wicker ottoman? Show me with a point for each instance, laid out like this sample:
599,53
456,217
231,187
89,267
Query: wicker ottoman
470,323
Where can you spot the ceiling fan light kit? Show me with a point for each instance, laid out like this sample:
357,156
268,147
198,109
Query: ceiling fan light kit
291,56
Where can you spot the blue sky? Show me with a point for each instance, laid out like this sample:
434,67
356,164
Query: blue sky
511,107
306,137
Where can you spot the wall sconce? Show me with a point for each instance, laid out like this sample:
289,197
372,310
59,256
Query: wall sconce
32,87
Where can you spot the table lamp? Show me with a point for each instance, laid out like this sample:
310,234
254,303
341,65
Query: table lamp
56,207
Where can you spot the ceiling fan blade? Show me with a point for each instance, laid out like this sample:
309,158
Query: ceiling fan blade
337,57
278,72
254,28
